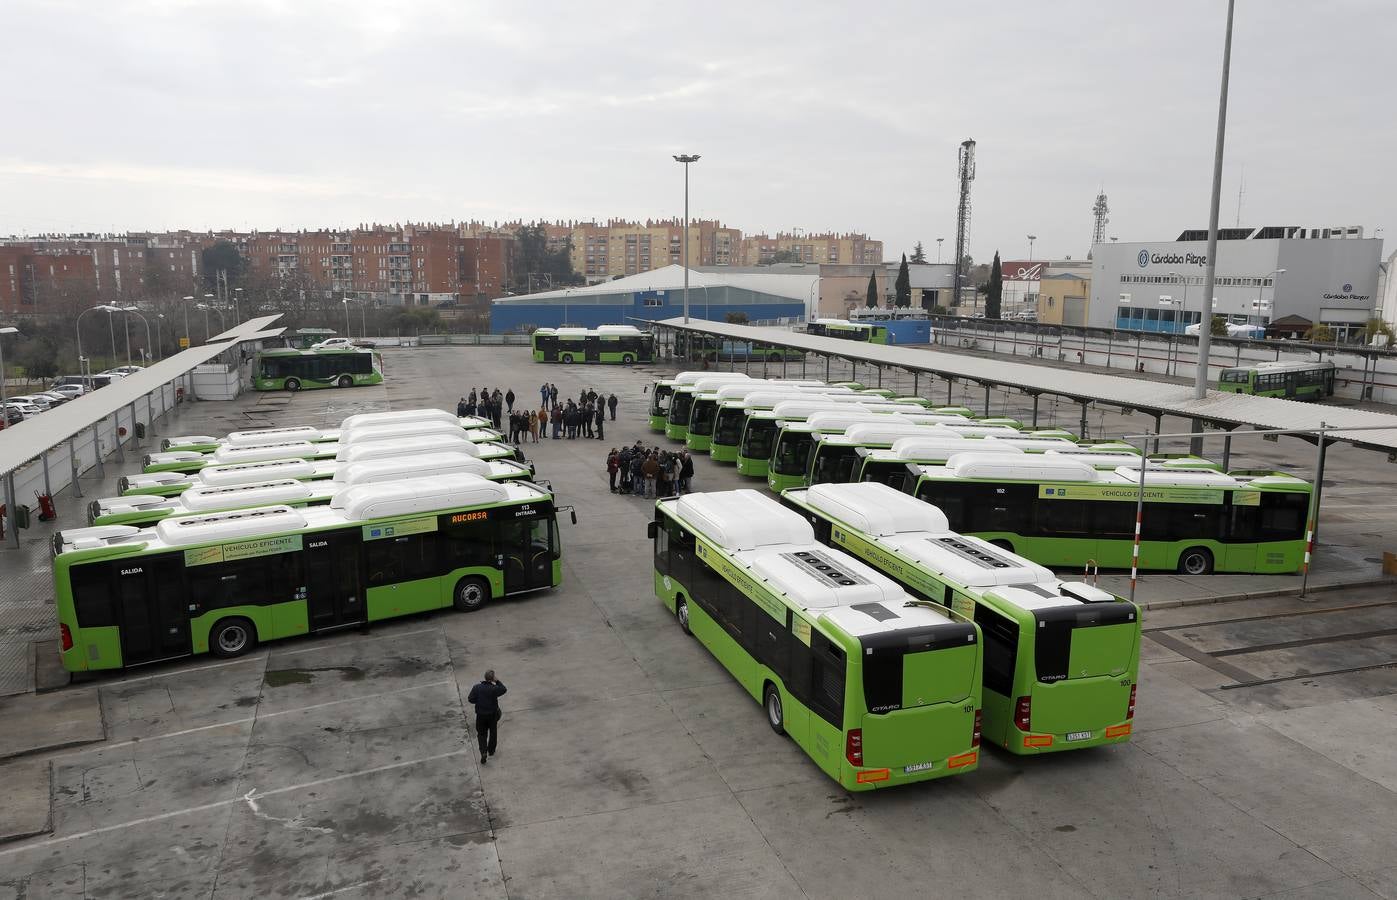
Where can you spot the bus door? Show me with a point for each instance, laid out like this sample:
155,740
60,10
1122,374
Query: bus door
525,553
549,346
153,611
334,593
592,348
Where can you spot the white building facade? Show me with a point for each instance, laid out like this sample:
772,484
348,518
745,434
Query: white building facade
1328,276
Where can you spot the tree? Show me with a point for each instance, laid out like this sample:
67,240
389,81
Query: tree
783,256
903,285
536,266
1375,328
222,256
736,317
871,300
918,254
1320,334
1218,328
995,293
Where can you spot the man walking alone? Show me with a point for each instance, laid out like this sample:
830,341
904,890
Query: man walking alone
486,699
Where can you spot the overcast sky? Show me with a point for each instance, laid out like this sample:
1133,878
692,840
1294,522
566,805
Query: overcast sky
817,115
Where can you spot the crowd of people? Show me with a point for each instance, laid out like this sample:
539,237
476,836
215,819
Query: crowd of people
649,471
584,417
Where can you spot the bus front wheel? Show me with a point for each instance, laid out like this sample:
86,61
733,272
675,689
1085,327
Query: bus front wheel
681,612
232,637
345,381
1195,561
293,384
567,357
775,716
471,594
627,359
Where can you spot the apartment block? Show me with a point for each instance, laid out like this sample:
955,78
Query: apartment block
824,249
34,282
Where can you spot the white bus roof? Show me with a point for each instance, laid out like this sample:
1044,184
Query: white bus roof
263,470
415,495
880,433
826,420
1029,467
257,436
684,378
626,330
419,444
778,546
202,498
426,464
181,531
184,440
395,431
256,452
398,415
817,405
1032,442
1178,478
901,523
1273,368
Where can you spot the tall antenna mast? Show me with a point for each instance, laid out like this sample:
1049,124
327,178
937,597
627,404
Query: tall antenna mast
1099,209
965,170
1241,189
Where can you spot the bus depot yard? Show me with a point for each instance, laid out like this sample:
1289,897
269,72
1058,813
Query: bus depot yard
632,763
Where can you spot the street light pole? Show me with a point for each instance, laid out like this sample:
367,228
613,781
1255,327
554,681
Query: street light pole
1262,285
144,321
1031,239
685,159
347,332
188,338
1200,381
938,249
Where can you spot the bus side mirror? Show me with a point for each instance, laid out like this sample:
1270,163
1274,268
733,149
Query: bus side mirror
573,512
651,528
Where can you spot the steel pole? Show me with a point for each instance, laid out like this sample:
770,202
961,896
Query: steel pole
4,411
73,463
10,502
111,327
1139,517
1200,381
1311,520
686,243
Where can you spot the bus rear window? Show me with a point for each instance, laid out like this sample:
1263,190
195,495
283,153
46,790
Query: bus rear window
917,667
1084,641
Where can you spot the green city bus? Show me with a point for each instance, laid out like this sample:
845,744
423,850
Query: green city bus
761,425
878,688
731,420
868,332
703,415
1062,512
294,370
1293,381
622,344
184,462
832,457
1061,659
147,509
662,391
715,350
222,582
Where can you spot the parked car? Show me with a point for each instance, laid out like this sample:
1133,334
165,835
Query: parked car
123,371
71,391
22,410
81,383
335,343
42,402
55,398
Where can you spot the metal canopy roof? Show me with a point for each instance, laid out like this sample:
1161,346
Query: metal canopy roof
1131,393
33,437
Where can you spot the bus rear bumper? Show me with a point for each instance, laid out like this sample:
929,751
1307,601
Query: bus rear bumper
1037,743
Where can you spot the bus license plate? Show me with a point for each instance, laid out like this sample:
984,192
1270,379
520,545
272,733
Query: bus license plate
918,767
1079,735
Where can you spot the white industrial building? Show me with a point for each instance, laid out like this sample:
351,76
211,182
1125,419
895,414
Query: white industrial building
1324,275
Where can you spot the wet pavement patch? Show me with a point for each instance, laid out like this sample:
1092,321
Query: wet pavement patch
283,677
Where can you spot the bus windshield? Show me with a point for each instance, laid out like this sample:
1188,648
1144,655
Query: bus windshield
832,462
679,408
918,667
701,418
728,429
792,455
1076,642
756,438
659,399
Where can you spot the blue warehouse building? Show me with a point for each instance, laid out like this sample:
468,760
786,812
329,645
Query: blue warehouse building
659,294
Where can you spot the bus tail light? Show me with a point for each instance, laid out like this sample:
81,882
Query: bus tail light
1130,710
1022,709
853,747
66,634
975,736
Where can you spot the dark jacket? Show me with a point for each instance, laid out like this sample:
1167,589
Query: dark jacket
600,415
686,467
486,697
611,402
